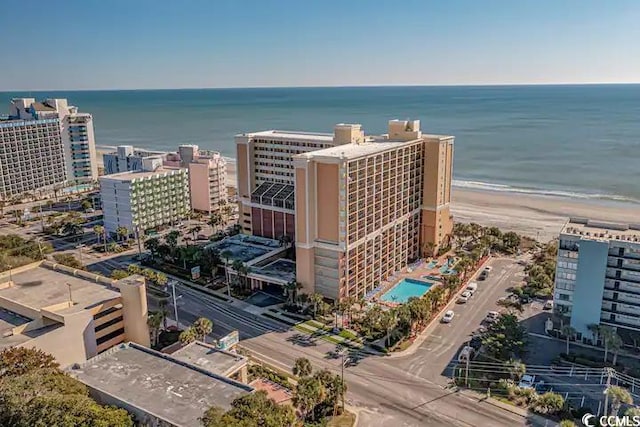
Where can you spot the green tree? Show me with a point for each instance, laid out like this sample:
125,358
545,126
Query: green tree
388,321
122,232
152,244
119,274
292,287
202,327
316,299
632,411
194,231
134,269
505,338
302,367
154,320
216,220
16,361
86,205
68,260
567,423
516,369
255,409
226,255
617,396
308,394
608,335
188,335
549,403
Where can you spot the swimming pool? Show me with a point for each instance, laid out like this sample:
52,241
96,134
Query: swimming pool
405,289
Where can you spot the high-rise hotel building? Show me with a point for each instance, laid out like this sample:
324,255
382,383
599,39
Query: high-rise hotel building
598,276
364,206
266,178
44,145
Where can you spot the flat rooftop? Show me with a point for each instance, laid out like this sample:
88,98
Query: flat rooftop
8,321
281,269
246,248
210,358
587,228
158,384
43,286
285,134
354,151
132,175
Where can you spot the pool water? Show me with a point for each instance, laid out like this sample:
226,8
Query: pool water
405,289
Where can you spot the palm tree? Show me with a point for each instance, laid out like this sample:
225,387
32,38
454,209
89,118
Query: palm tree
292,287
569,332
618,396
122,232
427,249
615,345
388,321
302,367
242,271
202,328
172,240
226,255
215,221
594,328
134,269
187,336
98,229
316,299
161,279
607,333
164,312
154,320
195,230
517,369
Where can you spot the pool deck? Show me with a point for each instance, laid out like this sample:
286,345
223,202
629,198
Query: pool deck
414,271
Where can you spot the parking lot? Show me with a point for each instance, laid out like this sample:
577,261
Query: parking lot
445,340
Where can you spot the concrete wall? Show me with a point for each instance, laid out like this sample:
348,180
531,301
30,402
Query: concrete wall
134,309
199,187
328,202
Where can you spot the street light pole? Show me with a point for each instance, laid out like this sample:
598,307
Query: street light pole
175,305
606,391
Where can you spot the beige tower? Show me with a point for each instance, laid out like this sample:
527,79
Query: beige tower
437,221
134,309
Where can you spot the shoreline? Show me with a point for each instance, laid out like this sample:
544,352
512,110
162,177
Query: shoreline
539,216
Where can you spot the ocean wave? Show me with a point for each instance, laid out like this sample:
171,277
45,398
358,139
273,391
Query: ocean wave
486,186
478,185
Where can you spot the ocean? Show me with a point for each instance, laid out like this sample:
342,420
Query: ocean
579,141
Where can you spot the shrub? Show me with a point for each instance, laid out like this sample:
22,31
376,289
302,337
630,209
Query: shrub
549,403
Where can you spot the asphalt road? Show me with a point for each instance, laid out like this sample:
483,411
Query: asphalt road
386,392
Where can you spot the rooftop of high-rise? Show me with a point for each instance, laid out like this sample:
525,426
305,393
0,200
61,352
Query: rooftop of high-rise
600,230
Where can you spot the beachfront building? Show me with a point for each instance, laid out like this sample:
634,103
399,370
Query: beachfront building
369,206
76,133
72,314
598,276
146,199
126,158
31,157
266,178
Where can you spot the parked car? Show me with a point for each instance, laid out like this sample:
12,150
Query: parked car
464,297
483,275
448,316
471,288
476,342
548,305
527,381
466,354
492,316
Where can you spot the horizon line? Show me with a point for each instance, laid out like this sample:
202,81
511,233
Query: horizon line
330,87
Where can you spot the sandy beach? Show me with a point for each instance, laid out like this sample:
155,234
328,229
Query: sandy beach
539,217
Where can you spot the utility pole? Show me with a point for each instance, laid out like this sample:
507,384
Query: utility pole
137,229
80,252
70,295
606,391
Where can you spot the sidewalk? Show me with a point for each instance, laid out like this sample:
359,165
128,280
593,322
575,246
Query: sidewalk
532,418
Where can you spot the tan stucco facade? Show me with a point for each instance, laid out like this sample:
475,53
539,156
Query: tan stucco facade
327,202
72,314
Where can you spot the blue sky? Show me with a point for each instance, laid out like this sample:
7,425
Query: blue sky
127,44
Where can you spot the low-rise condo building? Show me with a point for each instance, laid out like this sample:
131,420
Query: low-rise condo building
369,206
160,389
598,276
146,199
207,171
126,158
71,314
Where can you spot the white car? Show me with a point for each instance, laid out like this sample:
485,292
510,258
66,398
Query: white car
471,288
464,297
492,316
466,354
527,381
548,305
448,316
